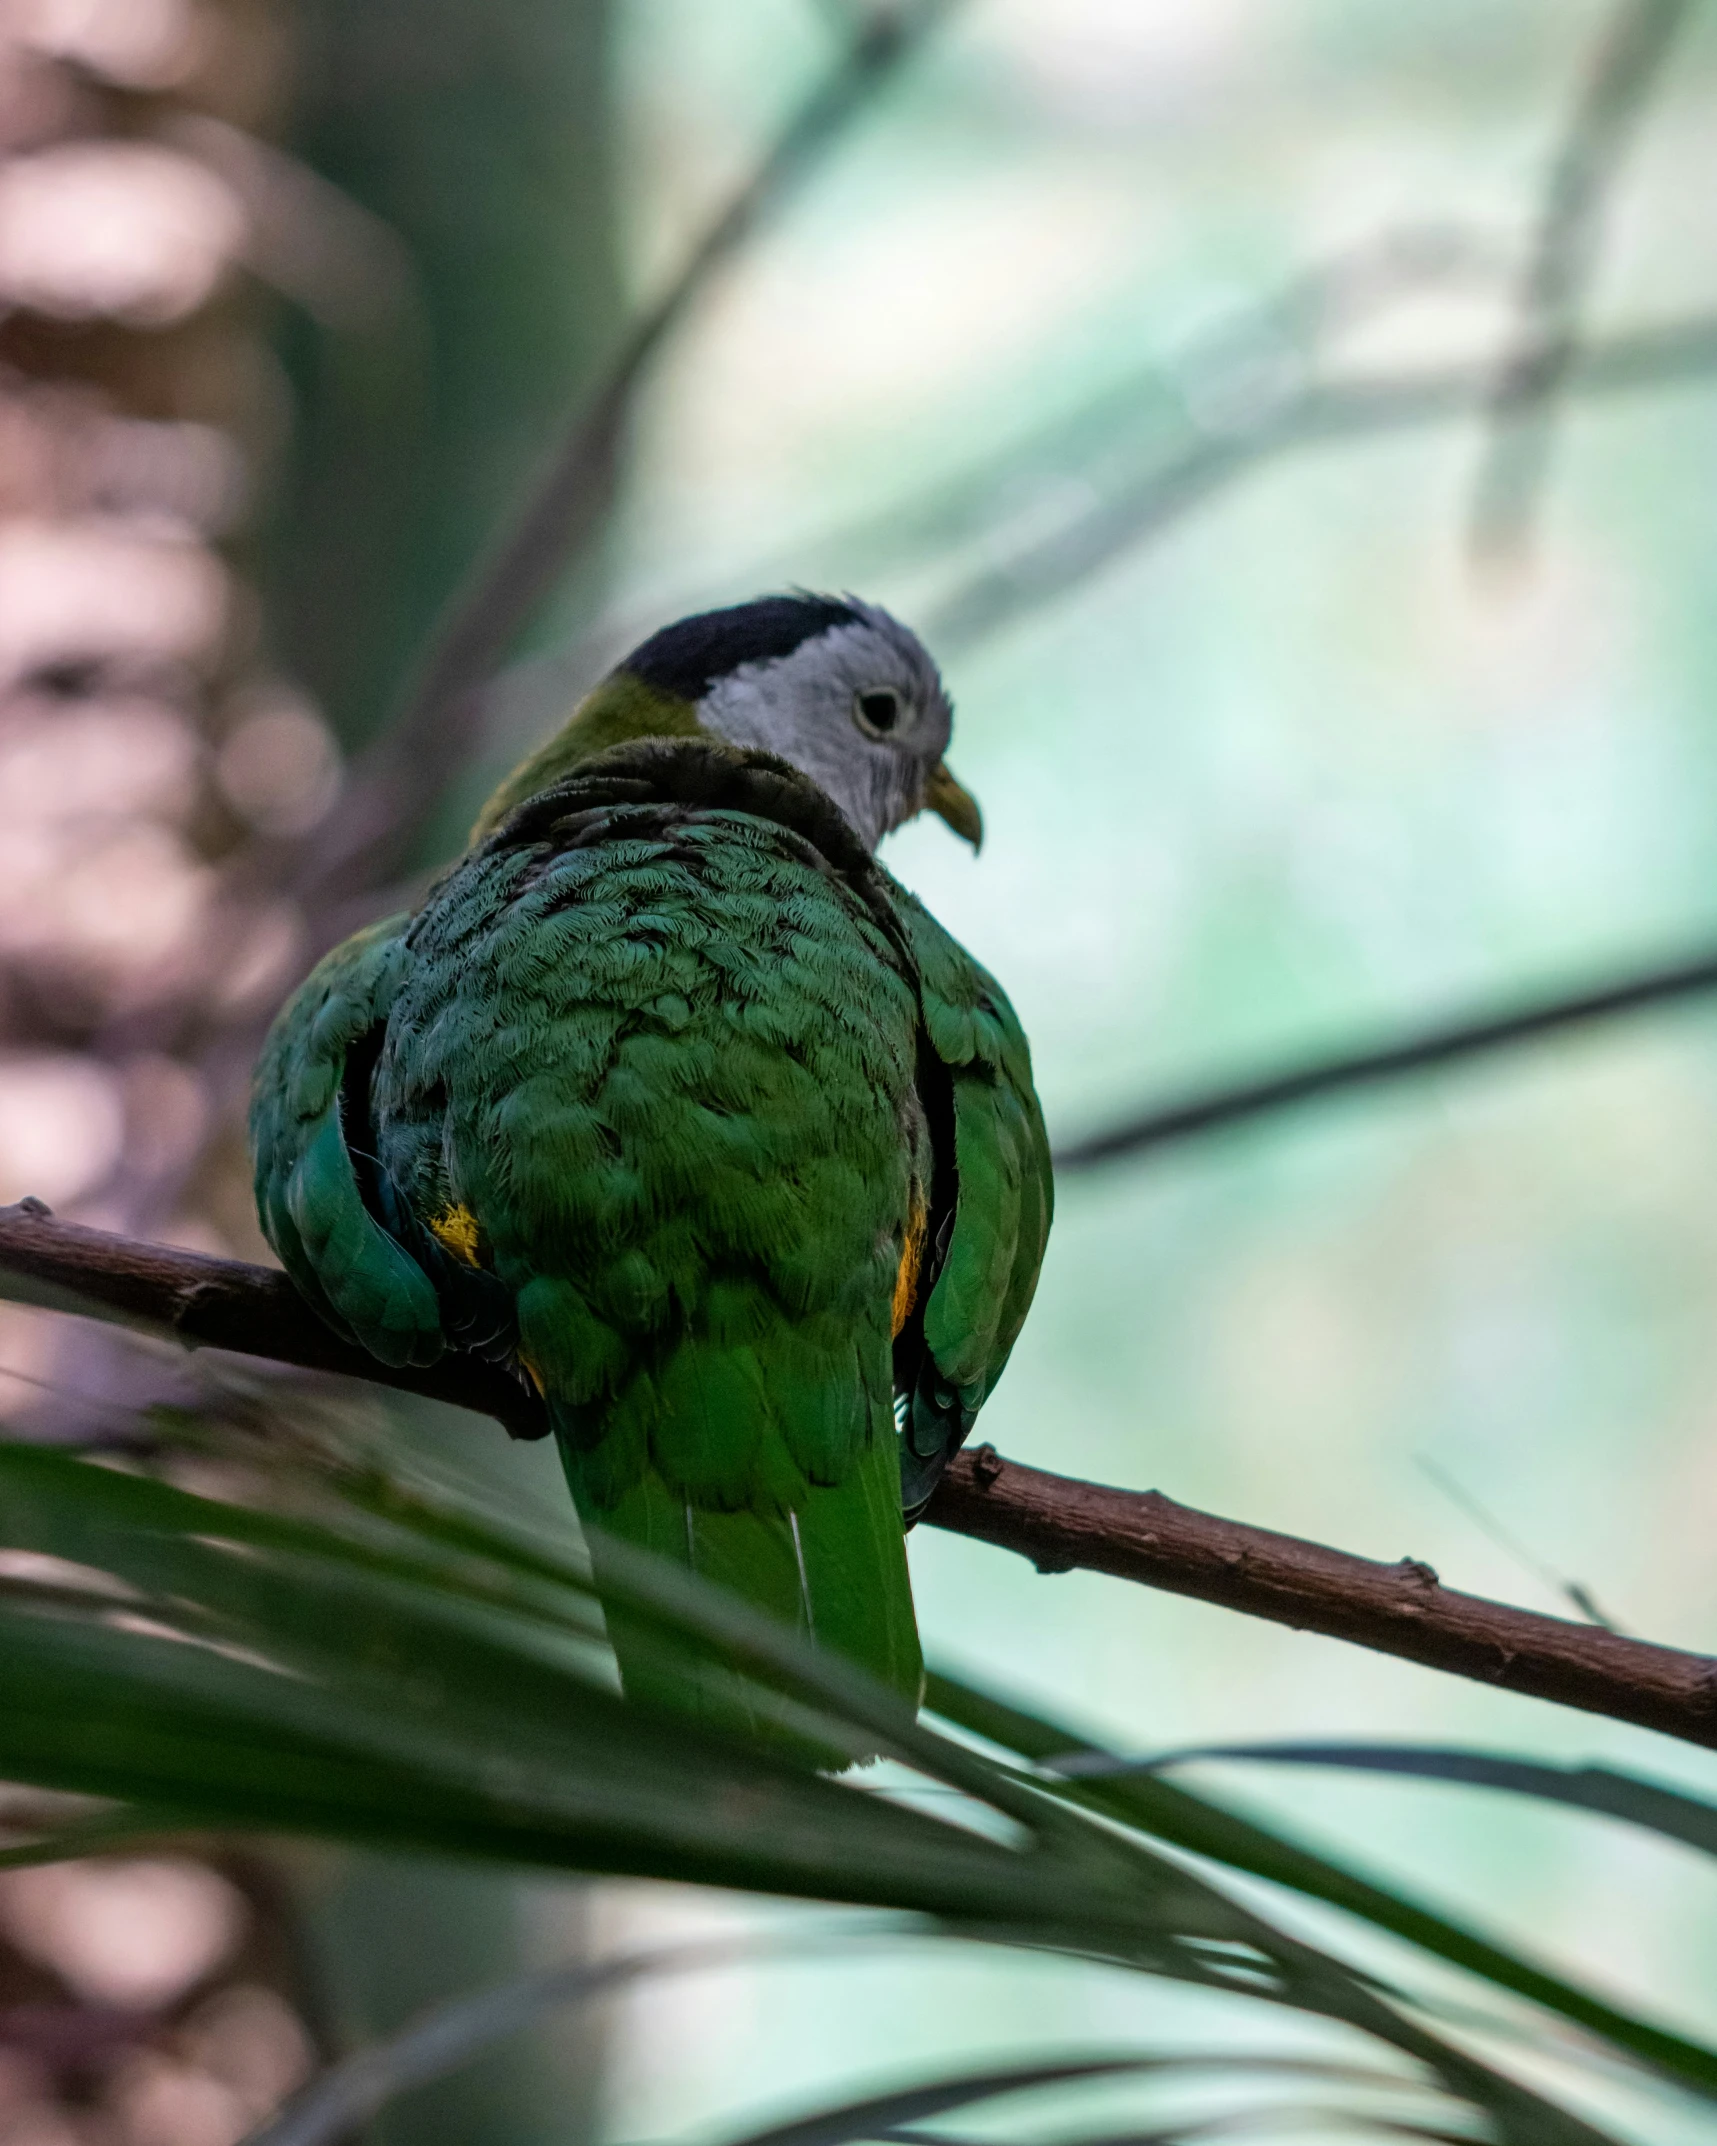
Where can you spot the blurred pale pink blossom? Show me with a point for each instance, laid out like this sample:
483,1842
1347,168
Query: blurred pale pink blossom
103,905
251,2040
100,588
133,1932
280,766
62,1125
96,759
138,44
121,228
168,2104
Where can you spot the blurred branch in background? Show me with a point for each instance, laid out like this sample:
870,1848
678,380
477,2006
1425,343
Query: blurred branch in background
369,833
1627,68
1058,1523
1278,419
1443,1043
984,504
1260,355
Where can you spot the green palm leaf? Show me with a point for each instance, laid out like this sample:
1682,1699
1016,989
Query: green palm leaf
1103,1782
367,1659
1671,1812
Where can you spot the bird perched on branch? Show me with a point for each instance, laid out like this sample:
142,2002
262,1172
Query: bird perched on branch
671,1098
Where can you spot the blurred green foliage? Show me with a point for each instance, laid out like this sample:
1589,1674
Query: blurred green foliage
481,136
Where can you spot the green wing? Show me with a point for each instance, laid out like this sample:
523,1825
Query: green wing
308,1195
990,1237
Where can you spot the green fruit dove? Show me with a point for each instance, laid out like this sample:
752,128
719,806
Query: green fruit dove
673,1101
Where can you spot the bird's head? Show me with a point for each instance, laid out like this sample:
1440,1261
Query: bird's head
838,688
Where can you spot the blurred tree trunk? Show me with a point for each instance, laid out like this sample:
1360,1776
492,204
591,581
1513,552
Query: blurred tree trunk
478,133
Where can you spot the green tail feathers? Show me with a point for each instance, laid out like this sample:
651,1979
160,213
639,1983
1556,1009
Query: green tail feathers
826,1559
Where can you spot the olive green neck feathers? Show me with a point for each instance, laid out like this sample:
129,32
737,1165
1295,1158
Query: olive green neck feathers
620,710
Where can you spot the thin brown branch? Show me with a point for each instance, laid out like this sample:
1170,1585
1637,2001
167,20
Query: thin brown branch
369,832
1626,68
208,1303
1056,1522
1401,1609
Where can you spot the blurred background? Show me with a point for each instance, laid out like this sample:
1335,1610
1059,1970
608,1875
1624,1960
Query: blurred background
1334,644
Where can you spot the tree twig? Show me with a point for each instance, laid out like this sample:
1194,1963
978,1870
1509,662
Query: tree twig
1628,63
1056,1522
1321,414
368,832
1212,1109
211,1303
1401,1609
1262,352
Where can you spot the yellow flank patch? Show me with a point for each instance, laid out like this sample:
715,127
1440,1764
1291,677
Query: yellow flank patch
534,1375
911,1258
457,1229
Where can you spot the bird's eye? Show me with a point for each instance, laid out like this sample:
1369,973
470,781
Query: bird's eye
879,710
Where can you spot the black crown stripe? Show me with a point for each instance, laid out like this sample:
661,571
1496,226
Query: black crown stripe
686,658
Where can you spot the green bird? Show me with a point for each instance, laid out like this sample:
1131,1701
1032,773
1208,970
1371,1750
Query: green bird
674,1101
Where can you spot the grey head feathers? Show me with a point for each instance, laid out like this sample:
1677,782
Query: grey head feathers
834,685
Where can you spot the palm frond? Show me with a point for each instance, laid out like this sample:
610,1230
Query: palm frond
365,1658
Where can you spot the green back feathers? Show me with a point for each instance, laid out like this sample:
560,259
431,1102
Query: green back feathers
666,1060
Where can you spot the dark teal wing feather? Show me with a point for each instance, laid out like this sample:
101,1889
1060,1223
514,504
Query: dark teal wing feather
308,1192
990,1236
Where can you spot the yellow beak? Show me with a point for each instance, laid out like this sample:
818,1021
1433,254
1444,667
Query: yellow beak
957,806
